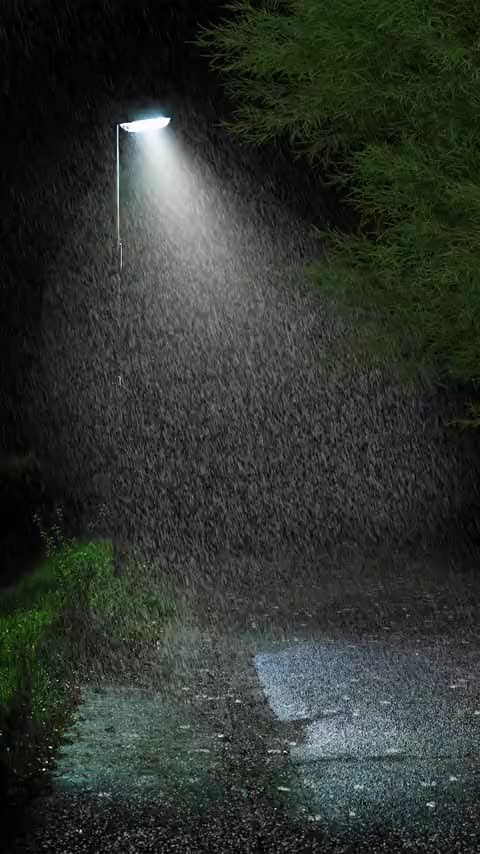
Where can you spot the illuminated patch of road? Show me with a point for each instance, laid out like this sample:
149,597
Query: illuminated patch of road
386,736
131,742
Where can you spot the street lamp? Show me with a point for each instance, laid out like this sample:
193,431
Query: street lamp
139,126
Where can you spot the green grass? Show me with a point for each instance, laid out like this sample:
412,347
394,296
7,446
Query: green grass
35,693
383,96
135,604
56,620
31,608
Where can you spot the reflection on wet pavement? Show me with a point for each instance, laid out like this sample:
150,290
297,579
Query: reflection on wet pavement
385,734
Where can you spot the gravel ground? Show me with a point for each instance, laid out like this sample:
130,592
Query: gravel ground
205,758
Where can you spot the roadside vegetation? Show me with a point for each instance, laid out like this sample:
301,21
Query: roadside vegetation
73,623
65,623
383,96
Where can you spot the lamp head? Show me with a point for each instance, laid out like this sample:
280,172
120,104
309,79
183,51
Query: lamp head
146,125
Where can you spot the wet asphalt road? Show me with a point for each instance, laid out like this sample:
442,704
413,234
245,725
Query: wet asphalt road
335,714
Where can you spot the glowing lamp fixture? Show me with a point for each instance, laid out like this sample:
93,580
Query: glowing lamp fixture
140,126
144,125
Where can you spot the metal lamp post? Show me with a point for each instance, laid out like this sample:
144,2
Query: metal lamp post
140,126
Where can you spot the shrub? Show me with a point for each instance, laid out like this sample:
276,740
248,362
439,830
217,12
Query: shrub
384,95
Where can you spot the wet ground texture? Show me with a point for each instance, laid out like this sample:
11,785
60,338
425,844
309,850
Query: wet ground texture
341,715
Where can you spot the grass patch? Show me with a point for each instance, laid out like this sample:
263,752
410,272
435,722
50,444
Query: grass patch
133,605
53,624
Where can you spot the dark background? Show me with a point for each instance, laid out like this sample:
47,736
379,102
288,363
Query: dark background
69,70
64,66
